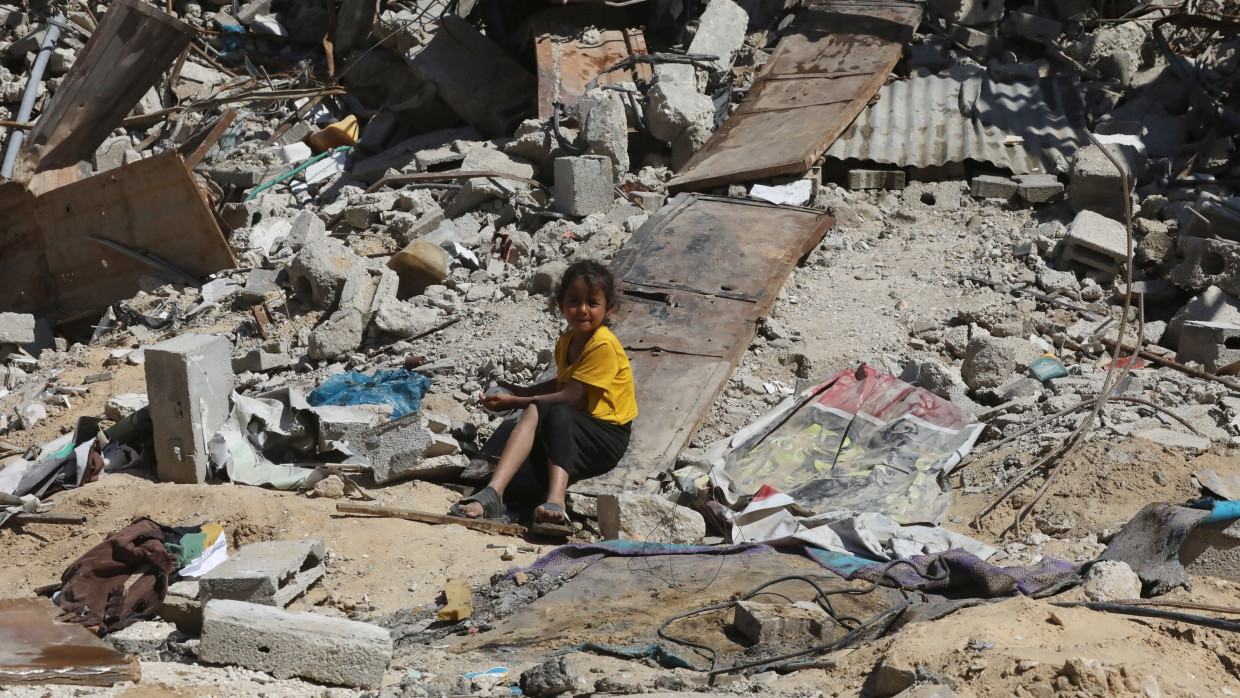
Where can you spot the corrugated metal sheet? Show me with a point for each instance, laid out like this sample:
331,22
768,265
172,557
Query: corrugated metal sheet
964,115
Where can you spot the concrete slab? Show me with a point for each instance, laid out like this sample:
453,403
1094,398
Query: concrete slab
271,572
286,644
189,379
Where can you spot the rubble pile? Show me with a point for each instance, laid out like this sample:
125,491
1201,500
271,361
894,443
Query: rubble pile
908,289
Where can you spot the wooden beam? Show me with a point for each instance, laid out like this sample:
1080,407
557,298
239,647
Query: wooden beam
426,517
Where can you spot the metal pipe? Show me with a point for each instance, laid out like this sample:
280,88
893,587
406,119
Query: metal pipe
32,90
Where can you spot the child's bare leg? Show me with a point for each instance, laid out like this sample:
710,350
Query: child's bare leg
556,487
520,442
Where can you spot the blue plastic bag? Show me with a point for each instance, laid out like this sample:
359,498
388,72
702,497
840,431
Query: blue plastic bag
401,389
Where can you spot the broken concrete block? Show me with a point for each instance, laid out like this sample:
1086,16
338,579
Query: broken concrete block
1095,241
1096,185
395,448
1208,262
971,13
473,76
480,190
535,141
876,179
111,154
648,517
721,32
1039,188
988,363
366,287
119,407
273,356
339,334
16,328
284,644
583,185
555,676
305,229
674,108
680,73
270,572
142,638
1211,344
189,379
422,263
606,128
1211,305
319,271
991,187
405,320
182,607
1213,549
1190,444
1111,580
980,41
775,624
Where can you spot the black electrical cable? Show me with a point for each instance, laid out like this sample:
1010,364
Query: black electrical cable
1216,623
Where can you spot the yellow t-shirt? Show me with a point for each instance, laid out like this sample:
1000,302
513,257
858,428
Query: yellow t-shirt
604,368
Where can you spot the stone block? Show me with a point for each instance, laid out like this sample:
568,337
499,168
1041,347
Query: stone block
409,228
583,185
648,517
605,127
188,379
261,285
272,356
776,624
647,200
348,422
1039,188
306,228
721,32
339,334
16,328
395,448
366,287
1211,344
894,180
971,13
991,187
284,644
674,108
1096,185
483,85
272,573
182,607
1095,241
319,271
1111,580
405,320
111,154
979,41
988,363
1213,549
142,638
1208,262
1211,305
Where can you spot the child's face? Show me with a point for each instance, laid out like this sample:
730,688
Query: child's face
584,309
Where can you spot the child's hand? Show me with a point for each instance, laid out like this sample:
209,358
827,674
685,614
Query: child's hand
500,402
511,387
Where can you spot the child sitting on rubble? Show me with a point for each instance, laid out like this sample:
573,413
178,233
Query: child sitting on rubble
577,425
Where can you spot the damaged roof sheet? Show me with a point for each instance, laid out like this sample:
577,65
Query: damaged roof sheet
1024,127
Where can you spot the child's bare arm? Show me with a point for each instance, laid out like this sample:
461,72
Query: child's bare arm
573,395
544,388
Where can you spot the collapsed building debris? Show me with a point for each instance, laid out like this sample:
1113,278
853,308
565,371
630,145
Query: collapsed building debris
945,259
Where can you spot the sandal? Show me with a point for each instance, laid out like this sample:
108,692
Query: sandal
492,505
547,528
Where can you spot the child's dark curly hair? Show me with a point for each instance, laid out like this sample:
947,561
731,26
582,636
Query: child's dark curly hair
597,278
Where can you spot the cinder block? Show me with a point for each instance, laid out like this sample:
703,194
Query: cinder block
188,380
1211,344
1208,262
1039,188
894,180
271,572
1096,242
286,644
583,185
648,517
16,328
976,40
991,187
395,448
1096,185
1211,305
770,624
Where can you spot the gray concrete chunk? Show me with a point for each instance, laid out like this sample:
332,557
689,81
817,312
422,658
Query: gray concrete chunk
188,379
583,185
721,31
271,572
16,328
285,644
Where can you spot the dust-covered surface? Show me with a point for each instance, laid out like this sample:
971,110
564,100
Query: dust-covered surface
936,281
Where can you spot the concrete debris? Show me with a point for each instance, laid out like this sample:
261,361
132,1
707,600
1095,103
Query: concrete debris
271,572
720,32
648,517
285,644
771,624
1096,242
194,375
1110,580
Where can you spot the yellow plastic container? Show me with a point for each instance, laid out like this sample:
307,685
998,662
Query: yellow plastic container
343,132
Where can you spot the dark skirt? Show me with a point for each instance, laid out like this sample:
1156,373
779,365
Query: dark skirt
582,445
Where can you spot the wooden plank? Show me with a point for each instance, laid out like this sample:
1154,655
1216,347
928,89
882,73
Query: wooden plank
28,285
152,205
54,519
817,81
652,318
426,517
35,648
196,147
126,54
460,600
